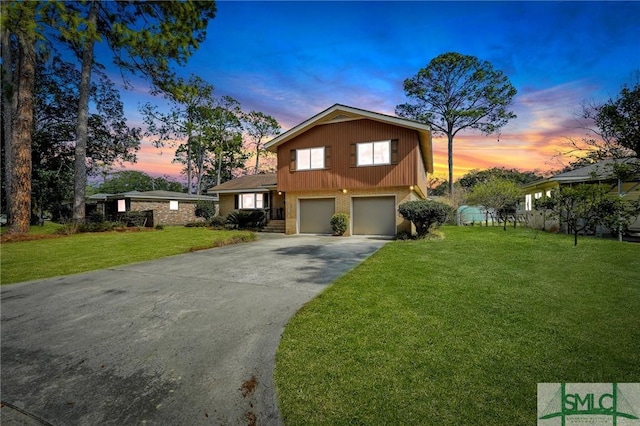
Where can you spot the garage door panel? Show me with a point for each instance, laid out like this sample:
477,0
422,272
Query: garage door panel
374,216
315,215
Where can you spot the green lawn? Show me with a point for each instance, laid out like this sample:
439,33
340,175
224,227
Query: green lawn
28,260
461,330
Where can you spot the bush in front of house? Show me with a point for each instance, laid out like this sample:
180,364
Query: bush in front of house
339,223
197,224
75,228
137,219
205,209
425,214
218,222
247,219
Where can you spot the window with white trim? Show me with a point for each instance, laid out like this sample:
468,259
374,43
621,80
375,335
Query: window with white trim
527,202
122,206
374,153
252,201
173,205
310,158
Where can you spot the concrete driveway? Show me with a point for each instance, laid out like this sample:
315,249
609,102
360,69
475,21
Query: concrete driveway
186,340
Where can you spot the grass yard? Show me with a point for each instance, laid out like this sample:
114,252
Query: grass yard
461,330
28,260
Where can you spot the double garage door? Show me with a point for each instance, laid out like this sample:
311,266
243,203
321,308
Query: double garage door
369,215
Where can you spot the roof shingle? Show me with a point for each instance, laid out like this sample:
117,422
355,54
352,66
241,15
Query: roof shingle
260,181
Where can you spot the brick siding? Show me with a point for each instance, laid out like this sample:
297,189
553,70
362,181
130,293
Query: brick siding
343,203
163,216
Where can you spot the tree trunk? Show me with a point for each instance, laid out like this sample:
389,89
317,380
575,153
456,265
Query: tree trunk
219,177
80,163
200,169
189,170
450,152
22,128
257,158
9,103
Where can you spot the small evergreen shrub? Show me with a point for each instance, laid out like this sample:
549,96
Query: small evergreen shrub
138,219
403,235
205,209
218,222
247,219
95,216
339,223
159,227
197,224
425,214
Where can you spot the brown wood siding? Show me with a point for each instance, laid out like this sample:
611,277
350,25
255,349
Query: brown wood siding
341,174
421,176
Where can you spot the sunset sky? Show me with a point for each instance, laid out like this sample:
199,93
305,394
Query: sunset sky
292,60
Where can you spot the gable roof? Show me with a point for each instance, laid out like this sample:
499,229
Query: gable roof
249,183
601,170
339,113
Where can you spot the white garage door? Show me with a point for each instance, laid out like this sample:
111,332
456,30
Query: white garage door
374,216
315,215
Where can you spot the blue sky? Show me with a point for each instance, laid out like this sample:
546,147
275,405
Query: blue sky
294,59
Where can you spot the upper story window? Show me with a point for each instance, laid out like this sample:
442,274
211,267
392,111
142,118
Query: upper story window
374,153
310,158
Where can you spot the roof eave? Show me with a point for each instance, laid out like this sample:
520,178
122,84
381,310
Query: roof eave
273,144
156,198
239,191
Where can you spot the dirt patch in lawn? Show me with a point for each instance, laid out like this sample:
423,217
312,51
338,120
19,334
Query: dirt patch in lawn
14,238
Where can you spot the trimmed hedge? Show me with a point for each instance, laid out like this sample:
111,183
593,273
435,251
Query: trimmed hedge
425,214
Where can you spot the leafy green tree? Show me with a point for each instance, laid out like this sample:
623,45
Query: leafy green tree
612,129
475,177
425,214
133,180
584,206
145,37
183,122
437,186
205,209
259,127
210,128
224,131
110,140
455,92
619,119
497,194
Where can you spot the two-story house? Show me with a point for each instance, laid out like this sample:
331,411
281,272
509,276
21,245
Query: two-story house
342,160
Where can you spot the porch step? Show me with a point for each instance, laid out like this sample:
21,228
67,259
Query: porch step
275,226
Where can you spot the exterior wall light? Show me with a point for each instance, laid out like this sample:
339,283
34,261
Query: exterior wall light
279,192
344,191
411,187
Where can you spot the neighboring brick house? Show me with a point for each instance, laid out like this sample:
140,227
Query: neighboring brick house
166,207
342,160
